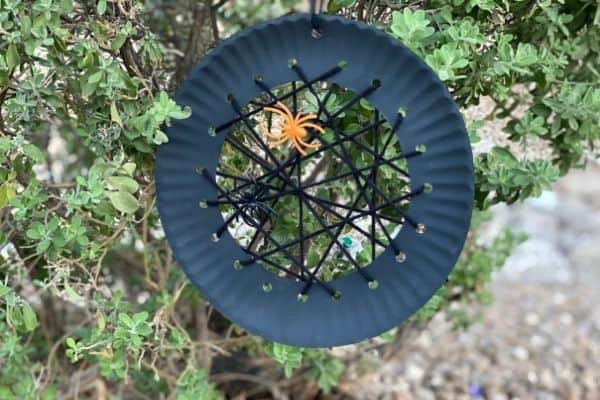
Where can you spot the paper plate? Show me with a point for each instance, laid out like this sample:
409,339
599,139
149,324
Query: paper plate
432,120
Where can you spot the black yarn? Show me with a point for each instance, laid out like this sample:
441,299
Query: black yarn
254,199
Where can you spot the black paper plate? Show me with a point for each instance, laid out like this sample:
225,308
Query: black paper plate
432,120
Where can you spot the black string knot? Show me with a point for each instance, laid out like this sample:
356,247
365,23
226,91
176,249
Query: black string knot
254,210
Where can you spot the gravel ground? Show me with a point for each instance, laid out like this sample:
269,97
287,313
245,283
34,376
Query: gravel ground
541,337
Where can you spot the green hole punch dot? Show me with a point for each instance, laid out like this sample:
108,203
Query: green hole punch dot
401,257
267,287
302,298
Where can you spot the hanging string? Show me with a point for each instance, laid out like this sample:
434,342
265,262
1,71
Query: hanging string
316,7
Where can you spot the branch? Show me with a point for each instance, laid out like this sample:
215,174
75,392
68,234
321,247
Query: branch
214,25
3,94
196,44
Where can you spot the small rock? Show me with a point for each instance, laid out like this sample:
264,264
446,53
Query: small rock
437,380
424,394
559,298
566,319
520,353
414,373
532,377
532,319
537,341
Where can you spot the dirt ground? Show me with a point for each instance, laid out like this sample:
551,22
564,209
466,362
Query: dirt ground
541,337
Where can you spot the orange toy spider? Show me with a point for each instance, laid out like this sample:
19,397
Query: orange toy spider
293,129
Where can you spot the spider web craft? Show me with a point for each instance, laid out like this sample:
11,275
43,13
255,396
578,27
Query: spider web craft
321,191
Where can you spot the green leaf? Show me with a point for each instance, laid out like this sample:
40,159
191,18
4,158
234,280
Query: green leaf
446,60
124,319
129,168
180,113
160,137
88,88
7,192
526,54
119,41
142,146
36,231
6,393
95,77
53,224
335,5
139,317
12,57
73,295
114,114
164,108
33,152
66,6
505,156
25,25
5,145
101,322
101,7
123,183
325,369
289,357
33,234
43,246
123,201
87,61
486,5
4,290
29,317
70,342
412,27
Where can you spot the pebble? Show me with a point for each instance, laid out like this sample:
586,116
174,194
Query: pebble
532,319
537,341
520,353
566,319
414,373
559,298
